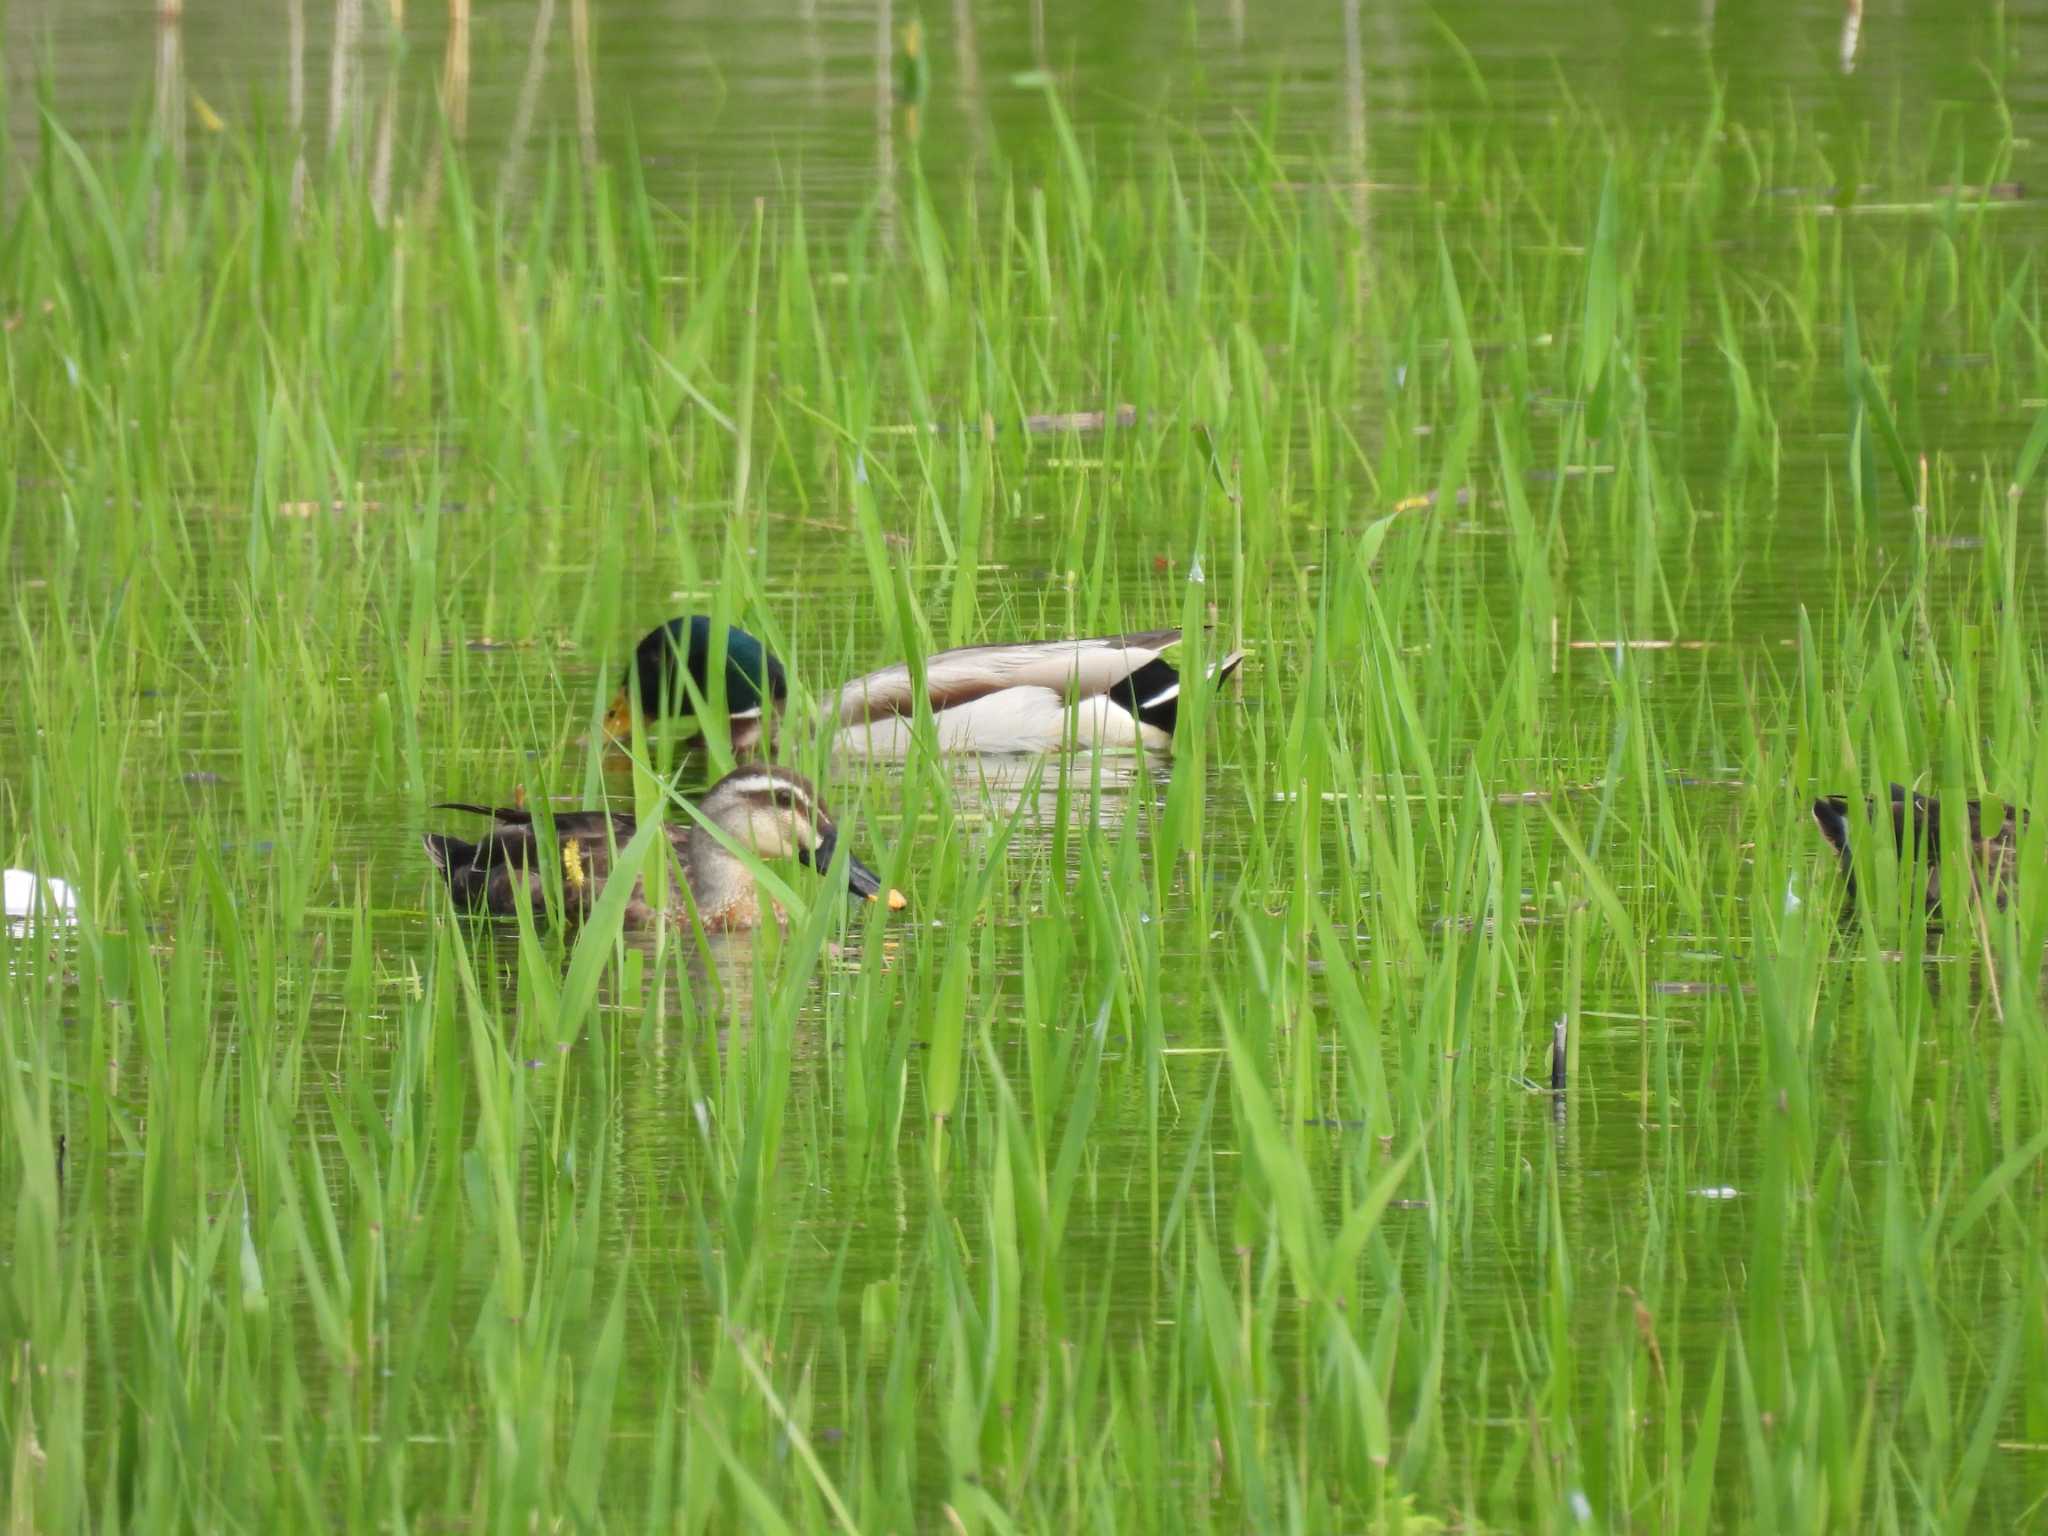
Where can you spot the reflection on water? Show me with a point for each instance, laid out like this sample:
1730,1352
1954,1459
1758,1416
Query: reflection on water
1040,795
748,97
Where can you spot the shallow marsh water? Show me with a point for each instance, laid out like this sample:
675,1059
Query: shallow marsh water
1058,1200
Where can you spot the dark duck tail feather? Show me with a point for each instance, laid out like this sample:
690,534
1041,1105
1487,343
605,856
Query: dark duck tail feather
467,867
1152,693
511,815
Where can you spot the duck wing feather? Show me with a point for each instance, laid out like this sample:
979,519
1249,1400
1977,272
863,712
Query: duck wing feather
1086,668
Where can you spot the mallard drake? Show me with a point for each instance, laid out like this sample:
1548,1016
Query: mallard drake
1916,832
771,811
1112,691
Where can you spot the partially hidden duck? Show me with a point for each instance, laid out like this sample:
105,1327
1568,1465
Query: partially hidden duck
772,812
1035,696
1916,832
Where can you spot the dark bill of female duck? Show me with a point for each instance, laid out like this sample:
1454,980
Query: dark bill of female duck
1033,696
860,880
771,812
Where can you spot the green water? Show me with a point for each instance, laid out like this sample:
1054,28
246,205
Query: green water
1029,1206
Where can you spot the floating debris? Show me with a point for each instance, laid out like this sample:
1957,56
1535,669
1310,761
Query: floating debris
1463,497
1995,192
1080,421
1036,424
1641,645
306,509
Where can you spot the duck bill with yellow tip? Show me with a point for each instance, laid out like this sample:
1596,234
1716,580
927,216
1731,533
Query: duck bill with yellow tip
861,880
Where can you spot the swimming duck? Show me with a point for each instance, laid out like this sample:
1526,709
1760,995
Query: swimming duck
983,698
30,896
1916,831
771,811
